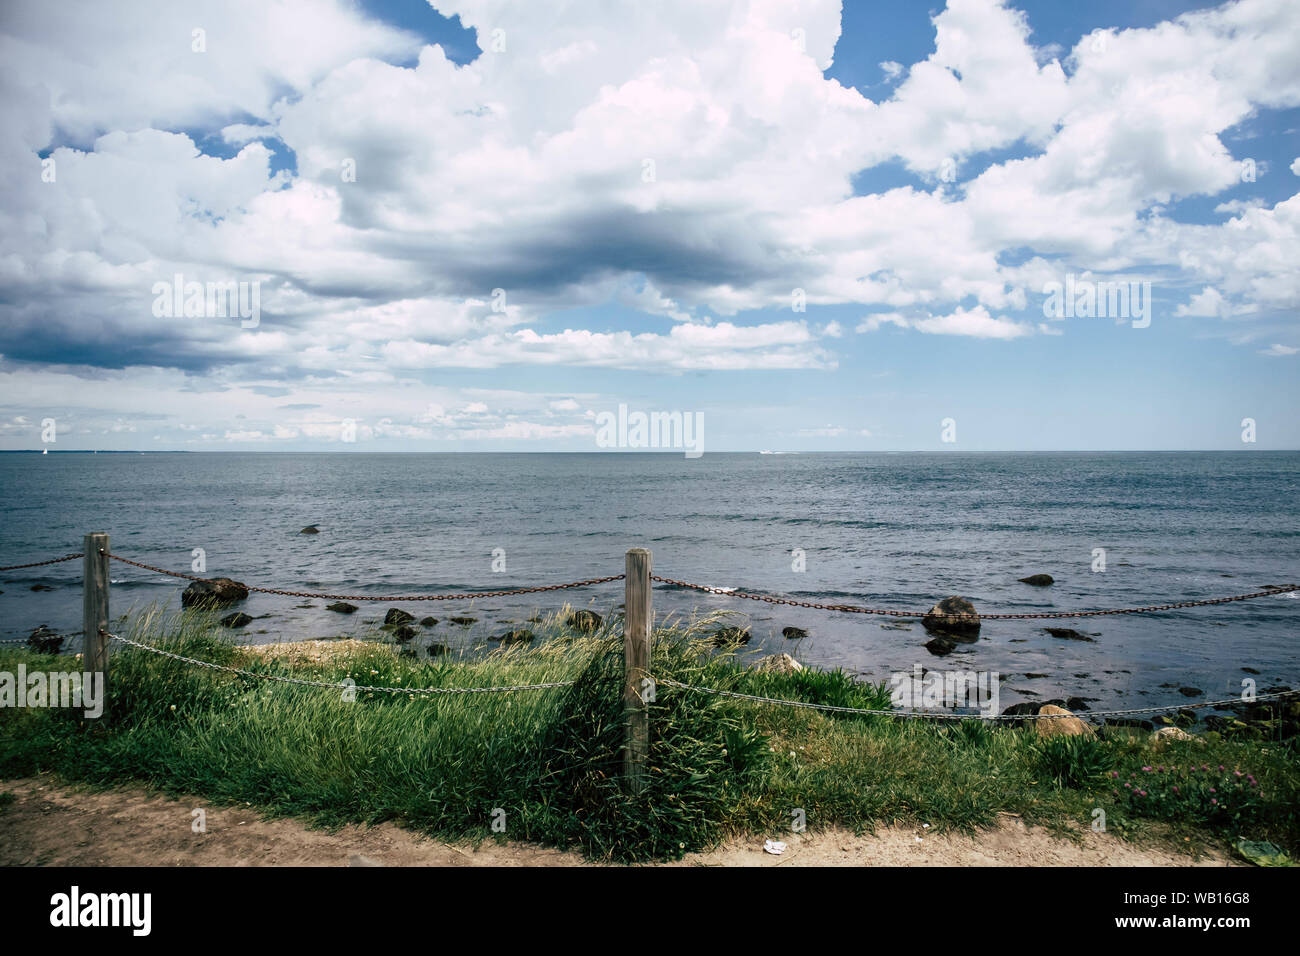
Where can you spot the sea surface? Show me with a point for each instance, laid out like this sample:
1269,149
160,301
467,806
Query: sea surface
878,529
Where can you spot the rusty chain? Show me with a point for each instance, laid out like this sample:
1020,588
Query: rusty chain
767,598
367,597
959,618
39,564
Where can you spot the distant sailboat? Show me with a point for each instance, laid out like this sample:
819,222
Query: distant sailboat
45,451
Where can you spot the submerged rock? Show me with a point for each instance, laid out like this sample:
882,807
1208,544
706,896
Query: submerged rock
342,607
1069,634
518,636
213,592
396,615
794,633
953,617
1038,580
437,650
238,619
310,529
463,621
584,620
731,636
428,621
404,633
42,587
939,646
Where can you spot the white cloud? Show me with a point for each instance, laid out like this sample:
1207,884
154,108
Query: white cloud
1279,350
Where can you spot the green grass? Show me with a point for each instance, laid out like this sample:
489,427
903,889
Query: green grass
547,763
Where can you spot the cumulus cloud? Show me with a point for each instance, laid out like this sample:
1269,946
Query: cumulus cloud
690,162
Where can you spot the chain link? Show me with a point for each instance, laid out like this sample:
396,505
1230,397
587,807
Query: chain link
41,564
367,597
957,618
328,684
929,716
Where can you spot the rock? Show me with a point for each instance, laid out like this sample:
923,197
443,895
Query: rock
517,636
953,617
44,641
42,587
777,664
428,621
310,529
940,646
1026,709
794,633
1069,633
404,633
463,621
213,593
731,636
1076,703
238,619
1171,733
342,607
1062,726
584,620
1250,670
396,615
437,650
1191,692
1038,580
1129,723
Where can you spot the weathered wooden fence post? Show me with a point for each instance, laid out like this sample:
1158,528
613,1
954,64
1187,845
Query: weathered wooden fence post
94,607
638,621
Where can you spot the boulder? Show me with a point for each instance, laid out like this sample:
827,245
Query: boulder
777,664
396,615
1171,733
238,619
310,529
584,620
428,621
1069,634
731,636
953,617
404,633
44,641
794,633
342,607
1026,709
1063,725
1038,580
939,646
517,636
212,593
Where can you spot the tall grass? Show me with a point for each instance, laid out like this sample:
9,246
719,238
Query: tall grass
547,764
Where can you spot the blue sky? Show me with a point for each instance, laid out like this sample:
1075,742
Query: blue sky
477,225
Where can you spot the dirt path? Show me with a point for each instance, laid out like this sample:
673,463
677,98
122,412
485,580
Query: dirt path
53,825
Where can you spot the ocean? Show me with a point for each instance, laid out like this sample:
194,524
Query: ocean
877,529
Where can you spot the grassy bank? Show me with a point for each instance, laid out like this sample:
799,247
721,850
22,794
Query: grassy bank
546,763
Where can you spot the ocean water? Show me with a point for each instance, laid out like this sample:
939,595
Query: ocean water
884,530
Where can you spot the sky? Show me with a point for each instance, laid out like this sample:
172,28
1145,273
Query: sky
486,225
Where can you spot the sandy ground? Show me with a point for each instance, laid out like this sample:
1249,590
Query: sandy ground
53,825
